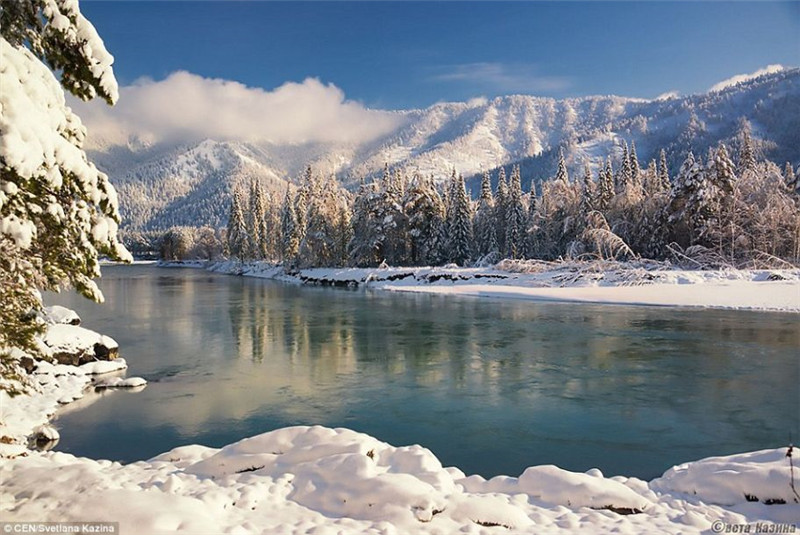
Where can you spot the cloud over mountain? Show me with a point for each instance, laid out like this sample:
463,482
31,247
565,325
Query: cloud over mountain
186,106
739,78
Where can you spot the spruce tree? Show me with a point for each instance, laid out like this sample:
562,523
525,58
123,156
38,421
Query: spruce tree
290,237
460,225
516,216
425,213
663,171
256,222
588,191
689,208
623,177
605,186
238,239
561,172
485,225
636,179
747,158
58,213
531,223
500,205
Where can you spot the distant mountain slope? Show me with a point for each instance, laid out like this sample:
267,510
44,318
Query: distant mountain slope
165,184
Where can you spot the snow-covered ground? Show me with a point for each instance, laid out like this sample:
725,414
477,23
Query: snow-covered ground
642,284
337,481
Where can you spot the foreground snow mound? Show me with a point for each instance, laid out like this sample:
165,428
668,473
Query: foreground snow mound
761,476
336,481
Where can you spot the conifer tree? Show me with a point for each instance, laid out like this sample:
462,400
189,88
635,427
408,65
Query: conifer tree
623,176
290,236
561,172
605,186
516,216
747,159
256,222
663,171
588,192
425,213
689,206
500,205
636,179
531,223
58,213
460,224
238,238
485,225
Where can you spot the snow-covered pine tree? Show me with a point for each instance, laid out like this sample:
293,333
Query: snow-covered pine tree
605,186
561,172
290,237
425,213
271,230
318,248
256,221
58,213
651,184
588,191
366,246
516,215
344,228
747,157
238,239
663,171
689,207
391,219
485,225
460,224
531,224
500,204
633,159
623,177
301,203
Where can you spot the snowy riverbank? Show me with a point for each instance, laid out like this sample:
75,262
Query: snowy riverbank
81,365
630,284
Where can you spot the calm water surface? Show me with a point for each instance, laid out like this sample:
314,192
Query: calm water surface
490,386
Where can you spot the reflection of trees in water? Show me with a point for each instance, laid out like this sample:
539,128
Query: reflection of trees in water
519,352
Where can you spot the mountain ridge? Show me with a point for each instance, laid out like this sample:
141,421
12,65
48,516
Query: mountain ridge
189,182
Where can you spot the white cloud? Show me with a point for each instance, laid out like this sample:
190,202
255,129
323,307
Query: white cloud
186,106
739,78
501,77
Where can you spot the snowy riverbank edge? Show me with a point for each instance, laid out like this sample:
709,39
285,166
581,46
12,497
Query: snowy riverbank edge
775,290
337,481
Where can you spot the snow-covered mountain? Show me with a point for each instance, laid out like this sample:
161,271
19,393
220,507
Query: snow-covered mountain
189,183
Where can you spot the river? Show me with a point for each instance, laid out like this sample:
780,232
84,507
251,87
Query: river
490,386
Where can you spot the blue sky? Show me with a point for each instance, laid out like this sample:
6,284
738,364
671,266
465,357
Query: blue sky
394,55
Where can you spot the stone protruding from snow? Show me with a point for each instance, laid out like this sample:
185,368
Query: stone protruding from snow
120,382
58,315
75,345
